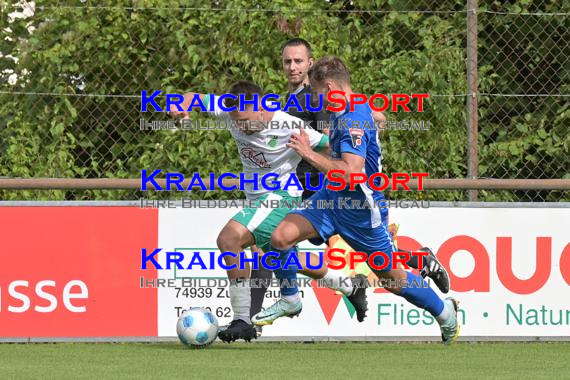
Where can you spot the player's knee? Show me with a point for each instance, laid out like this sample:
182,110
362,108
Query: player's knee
220,242
227,240
280,240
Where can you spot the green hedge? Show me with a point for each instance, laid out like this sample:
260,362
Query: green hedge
116,51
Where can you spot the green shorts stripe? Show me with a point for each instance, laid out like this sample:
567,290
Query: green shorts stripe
262,219
262,213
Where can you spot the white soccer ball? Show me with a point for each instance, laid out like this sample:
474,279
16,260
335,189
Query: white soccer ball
197,327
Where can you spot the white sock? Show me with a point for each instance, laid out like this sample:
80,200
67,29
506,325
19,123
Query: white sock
292,298
339,280
444,315
240,298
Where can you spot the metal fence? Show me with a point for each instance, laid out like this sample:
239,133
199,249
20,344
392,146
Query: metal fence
71,74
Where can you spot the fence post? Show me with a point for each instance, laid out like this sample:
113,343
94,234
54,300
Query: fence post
472,91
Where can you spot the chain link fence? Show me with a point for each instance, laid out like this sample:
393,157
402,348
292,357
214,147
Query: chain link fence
524,106
71,75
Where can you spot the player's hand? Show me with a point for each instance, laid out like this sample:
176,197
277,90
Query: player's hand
175,113
380,120
300,143
379,117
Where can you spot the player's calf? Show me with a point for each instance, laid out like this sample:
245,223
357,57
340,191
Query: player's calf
233,238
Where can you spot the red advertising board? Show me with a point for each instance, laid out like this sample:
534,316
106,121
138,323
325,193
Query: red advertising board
74,271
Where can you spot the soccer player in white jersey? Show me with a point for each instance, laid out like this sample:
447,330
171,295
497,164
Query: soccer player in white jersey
264,150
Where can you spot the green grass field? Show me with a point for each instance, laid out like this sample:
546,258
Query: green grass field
279,360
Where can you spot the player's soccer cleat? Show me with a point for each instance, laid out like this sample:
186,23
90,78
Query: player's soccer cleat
358,296
281,308
237,329
450,328
434,270
258,330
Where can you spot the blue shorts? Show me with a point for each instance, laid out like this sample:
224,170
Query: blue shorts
329,222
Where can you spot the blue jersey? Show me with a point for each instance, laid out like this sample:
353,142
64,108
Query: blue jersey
354,132
365,228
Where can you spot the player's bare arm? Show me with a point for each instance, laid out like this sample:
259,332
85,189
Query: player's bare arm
349,163
175,112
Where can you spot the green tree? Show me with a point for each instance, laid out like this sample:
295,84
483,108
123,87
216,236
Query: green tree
119,48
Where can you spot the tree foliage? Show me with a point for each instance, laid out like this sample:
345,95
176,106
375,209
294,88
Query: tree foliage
119,48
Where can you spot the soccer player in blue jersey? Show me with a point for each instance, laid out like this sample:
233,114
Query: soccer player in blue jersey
354,150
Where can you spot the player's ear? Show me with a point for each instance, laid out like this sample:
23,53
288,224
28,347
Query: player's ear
311,61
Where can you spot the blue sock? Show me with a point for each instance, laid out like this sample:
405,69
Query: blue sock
424,298
285,276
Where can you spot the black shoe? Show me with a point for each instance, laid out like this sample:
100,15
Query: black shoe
434,270
358,296
238,329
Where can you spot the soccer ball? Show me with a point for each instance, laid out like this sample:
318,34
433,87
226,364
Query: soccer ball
197,327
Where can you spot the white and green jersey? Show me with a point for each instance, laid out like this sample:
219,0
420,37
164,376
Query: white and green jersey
265,151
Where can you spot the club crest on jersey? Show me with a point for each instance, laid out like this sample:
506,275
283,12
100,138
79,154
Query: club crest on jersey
356,136
257,158
273,141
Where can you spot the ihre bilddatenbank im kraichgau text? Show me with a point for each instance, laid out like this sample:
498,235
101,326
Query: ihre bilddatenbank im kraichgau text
270,182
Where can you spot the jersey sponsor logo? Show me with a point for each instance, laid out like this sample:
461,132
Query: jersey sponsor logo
356,136
257,158
273,141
